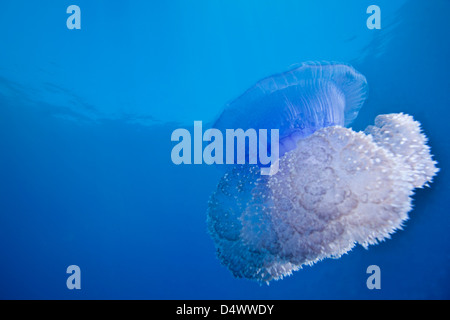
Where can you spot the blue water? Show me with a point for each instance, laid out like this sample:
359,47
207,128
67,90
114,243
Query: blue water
86,116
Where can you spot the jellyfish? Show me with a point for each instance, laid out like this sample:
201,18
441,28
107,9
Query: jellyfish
335,187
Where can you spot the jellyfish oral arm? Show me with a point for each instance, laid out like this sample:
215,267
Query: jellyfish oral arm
237,151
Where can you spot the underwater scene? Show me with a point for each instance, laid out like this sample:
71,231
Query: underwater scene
207,149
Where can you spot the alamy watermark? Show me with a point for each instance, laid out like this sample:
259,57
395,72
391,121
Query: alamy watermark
237,151
374,280
374,20
74,280
74,20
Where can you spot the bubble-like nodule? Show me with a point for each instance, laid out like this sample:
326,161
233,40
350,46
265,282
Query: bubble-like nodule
335,189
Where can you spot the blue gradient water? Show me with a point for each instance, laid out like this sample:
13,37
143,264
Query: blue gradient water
86,116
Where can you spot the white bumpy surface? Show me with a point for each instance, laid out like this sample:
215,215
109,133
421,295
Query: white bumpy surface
336,189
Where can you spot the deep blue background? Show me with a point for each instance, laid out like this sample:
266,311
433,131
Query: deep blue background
86,117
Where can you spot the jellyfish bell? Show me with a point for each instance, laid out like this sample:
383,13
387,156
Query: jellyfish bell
298,102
